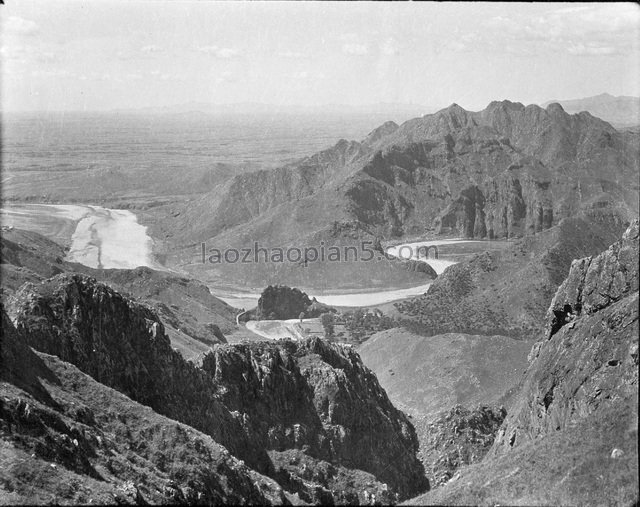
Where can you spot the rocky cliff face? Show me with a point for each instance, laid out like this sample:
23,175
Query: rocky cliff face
310,398
87,443
122,344
458,437
571,432
505,171
321,399
589,359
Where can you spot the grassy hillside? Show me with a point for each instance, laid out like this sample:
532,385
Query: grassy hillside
425,375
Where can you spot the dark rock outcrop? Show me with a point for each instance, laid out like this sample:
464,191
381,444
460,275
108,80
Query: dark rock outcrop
319,398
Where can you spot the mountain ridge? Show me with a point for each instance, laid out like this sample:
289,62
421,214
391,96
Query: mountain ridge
507,171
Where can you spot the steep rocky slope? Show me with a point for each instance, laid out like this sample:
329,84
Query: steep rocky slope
589,358
571,433
194,318
506,171
320,398
28,256
271,405
508,292
122,344
67,439
249,195
457,437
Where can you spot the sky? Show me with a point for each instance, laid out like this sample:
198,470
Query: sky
112,54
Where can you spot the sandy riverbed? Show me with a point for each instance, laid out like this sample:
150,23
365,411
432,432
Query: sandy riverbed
97,237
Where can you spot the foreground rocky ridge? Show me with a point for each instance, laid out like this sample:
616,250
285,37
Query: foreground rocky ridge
66,438
122,344
258,400
570,435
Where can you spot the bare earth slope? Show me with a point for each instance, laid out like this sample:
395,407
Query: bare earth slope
425,375
453,386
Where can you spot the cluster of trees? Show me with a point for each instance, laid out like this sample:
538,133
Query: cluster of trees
362,323
327,321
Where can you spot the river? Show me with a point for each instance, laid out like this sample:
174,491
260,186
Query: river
110,238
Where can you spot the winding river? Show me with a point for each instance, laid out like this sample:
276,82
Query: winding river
110,238
416,251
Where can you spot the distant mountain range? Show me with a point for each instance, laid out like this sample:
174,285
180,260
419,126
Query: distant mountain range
620,111
391,109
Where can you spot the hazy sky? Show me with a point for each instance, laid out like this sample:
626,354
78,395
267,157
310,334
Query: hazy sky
118,54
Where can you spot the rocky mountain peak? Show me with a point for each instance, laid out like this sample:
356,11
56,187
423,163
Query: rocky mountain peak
505,105
457,115
555,108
